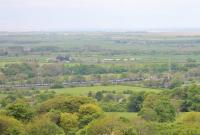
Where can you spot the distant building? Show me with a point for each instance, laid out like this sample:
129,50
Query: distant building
133,59
60,58
63,58
27,49
108,59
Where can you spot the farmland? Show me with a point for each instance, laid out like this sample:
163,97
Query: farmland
83,83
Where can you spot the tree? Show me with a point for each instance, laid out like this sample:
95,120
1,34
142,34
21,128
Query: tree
114,106
77,78
69,122
190,97
65,104
16,69
176,83
99,96
43,126
20,111
52,70
135,102
88,113
158,108
8,99
10,126
109,126
165,111
90,94
148,114
2,78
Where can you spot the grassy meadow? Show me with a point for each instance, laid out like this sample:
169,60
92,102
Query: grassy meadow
76,91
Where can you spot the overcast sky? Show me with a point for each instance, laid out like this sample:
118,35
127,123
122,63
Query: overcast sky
52,15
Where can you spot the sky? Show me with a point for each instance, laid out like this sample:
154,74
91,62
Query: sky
98,15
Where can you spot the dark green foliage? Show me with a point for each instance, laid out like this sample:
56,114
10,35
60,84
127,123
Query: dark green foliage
93,69
85,70
8,99
135,102
15,69
190,97
165,111
52,70
109,97
176,83
90,94
159,109
99,96
20,111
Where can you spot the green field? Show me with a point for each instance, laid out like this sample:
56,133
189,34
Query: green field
118,88
2,96
131,115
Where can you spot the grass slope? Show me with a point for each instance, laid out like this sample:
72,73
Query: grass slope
118,88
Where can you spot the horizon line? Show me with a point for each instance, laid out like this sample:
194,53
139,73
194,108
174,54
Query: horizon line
136,30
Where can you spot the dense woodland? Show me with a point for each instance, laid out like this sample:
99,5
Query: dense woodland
99,84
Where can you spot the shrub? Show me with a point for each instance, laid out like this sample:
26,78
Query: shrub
108,126
88,113
69,122
64,104
10,126
20,111
43,126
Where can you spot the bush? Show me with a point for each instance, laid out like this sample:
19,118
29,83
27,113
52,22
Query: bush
108,126
43,126
160,110
10,126
135,102
113,106
57,86
88,113
165,111
20,111
64,104
69,122
190,117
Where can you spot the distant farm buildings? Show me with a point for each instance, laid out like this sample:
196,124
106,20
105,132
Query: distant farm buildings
63,58
60,58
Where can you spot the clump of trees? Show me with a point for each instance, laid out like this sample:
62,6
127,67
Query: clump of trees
56,116
189,97
11,126
31,112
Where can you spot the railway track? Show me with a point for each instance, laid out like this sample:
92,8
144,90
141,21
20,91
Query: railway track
115,81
